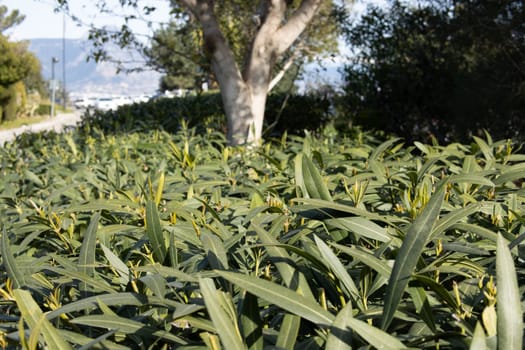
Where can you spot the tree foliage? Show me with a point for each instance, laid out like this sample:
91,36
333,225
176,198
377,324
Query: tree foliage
177,48
440,68
9,19
19,68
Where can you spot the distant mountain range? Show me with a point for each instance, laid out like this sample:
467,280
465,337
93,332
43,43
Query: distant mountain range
88,77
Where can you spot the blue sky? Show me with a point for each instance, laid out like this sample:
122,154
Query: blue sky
42,22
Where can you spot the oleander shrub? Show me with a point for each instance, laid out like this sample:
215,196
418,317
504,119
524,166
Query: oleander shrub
157,240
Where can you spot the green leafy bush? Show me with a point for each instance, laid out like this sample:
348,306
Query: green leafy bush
429,71
43,109
168,114
293,114
157,240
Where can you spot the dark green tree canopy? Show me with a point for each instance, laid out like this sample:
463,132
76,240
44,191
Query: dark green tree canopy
15,62
439,68
19,69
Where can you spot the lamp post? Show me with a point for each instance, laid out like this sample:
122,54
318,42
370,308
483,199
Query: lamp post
64,61
54,60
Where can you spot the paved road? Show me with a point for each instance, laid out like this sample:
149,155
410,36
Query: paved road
57,123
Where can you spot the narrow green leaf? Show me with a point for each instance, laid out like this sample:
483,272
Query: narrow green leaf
366,258
154,231
313,181
378,151
508,299
106,310
33,316
222,313
215,251
362,227
172,250
13,272
156,283
127,326
415,240
478,338
337,268
90,283
87,343
420,300
439,289
281,296
31,176
120,299
160,189
102,340
118,265
251,322
112,205
86,259
288,332
288,273
319,209
34,333
454,217
340,337
376,337
379,170
484,147
474,178
478,230
511,173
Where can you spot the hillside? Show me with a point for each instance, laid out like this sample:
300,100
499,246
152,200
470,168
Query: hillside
89,77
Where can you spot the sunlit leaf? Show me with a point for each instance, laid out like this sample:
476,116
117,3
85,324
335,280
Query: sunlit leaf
415,239
33,316
510,314
154,231
222,313
281,296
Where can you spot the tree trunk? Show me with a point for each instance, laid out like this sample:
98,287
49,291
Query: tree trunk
244,94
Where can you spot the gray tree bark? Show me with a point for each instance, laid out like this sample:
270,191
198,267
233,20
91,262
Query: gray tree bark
244,92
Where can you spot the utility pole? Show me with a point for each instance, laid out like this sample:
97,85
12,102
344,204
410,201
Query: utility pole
54,60
64,61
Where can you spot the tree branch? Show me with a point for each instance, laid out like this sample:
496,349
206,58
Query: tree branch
279,76
295,25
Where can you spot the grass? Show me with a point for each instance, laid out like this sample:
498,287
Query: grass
25,121
13,124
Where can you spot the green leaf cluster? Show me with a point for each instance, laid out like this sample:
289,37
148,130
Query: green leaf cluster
157,240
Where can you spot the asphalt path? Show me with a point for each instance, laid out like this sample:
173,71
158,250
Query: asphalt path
57,123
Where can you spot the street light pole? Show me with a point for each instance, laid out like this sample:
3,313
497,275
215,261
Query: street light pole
54,60
64,61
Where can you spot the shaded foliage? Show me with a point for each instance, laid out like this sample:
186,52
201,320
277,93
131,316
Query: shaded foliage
442,69
285,113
